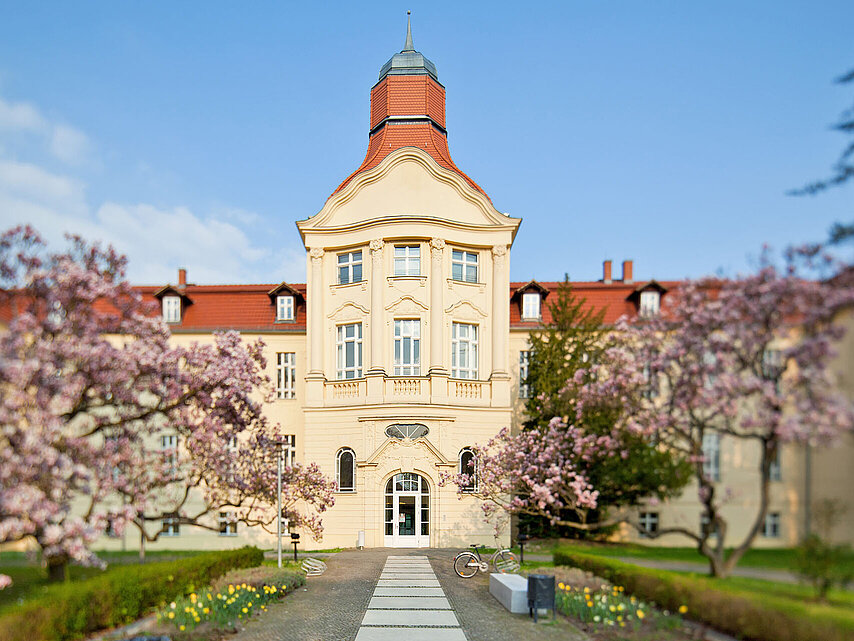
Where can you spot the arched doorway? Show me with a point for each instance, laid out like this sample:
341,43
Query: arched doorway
407,511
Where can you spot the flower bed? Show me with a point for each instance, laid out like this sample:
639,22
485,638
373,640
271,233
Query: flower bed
748,615
227,605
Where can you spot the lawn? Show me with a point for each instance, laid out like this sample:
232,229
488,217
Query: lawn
776,559
29,578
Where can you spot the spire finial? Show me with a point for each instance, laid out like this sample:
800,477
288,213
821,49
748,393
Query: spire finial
408,46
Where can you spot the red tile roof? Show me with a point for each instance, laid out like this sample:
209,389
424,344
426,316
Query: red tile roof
240,307
612,297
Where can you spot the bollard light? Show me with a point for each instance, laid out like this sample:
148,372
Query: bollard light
521,539
295,541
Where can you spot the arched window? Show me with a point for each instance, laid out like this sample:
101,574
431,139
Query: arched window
468,465
345,470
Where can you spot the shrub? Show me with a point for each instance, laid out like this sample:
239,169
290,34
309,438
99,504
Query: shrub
747,615
823,565
119,596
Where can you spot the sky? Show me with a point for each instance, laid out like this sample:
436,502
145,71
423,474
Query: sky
195,134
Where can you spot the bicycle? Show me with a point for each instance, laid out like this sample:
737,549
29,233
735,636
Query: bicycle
466,563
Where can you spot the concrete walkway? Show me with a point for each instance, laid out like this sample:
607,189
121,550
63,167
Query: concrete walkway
408,603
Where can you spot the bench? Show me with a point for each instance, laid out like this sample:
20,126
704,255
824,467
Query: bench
313,567
511,590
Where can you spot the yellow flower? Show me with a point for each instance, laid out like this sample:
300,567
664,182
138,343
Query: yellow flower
182,628
589,603
245,610
683,609
640,614
171,615
612,608
561,585
586,590
206,610
193,597
621,607
231,589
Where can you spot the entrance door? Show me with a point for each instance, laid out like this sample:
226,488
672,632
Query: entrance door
407,511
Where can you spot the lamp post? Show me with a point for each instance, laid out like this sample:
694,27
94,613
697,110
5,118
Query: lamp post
280,446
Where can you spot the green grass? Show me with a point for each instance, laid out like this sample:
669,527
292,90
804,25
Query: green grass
775,559
29,580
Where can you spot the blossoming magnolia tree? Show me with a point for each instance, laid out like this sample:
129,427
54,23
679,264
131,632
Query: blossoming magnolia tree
745,359
89,383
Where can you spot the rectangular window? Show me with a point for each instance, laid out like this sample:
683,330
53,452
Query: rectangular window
648,522
464,266
349,267
171,309
771,527
407,347
227,524
649,303
284,308
775,472
350,351
286,375
171,526
531,306
463,350
407,260
524,388
169,445
289,449
712,456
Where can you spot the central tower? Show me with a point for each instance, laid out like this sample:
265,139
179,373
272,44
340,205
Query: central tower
408,324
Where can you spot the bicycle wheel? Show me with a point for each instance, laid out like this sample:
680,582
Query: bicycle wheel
465,565
505,562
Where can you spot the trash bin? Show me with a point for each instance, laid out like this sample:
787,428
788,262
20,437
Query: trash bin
541,594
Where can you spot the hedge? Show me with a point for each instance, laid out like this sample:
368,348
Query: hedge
745,615
119,596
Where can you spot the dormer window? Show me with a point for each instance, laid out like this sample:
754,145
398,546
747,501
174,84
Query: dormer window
284,308
531,305
171,309
650,303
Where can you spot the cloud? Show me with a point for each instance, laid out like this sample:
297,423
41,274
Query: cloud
69,145
213,245
64,142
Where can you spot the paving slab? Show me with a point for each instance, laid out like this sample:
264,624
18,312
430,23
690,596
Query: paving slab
410,634
398,602
408,591
410,618
402,583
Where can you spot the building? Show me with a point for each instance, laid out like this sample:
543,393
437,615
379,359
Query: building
408,342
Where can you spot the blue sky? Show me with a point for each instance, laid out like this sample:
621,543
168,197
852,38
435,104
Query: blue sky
195,134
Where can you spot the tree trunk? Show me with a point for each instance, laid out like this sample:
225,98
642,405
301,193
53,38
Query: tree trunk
57,567
141,546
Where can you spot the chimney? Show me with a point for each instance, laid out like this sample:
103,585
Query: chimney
627,271
182,276
606,272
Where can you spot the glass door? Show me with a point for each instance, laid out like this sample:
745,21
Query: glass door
407,511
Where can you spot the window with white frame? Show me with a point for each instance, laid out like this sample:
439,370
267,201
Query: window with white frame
650,302
464,266
407,347
286,375
468,466
407,260
284,308
775,472
350,351
349,267
171,526
345,470
171,309
531,305
463,350
227,524
289,449
771,526
169,446
712,456
648,522
524,388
